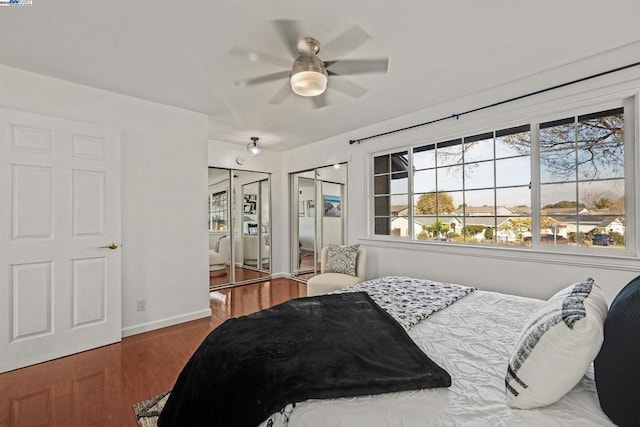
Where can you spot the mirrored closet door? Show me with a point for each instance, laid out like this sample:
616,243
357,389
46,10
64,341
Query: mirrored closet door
239,227
318,216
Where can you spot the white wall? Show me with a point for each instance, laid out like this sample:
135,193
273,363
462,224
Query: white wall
527,273
164,183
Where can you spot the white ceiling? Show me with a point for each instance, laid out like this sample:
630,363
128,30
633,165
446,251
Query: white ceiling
177,53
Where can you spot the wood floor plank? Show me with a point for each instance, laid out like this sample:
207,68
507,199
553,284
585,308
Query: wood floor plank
99,387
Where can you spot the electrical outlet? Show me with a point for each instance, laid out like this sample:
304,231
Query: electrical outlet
141,305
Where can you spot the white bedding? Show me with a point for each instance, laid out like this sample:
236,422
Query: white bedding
471,340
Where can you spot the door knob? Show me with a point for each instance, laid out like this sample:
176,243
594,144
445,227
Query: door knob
111,245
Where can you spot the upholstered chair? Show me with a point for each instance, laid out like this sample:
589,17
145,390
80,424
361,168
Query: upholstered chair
327,282
218,260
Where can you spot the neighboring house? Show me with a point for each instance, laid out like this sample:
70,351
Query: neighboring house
559,221
485,211
616,225
585,223
400,227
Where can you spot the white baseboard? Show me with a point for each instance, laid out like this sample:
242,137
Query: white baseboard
163,323
281,274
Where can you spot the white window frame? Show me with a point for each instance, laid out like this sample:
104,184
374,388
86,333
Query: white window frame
629,100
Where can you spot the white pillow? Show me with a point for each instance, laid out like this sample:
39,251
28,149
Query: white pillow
557,346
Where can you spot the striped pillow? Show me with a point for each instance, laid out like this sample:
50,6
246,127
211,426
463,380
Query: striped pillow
557,346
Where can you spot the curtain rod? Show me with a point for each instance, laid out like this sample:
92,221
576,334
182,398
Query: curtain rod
495,104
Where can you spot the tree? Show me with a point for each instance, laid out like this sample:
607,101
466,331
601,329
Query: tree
602,198
437,228
602,203
488,233
564,204
516,226
423,235
472,230
434,203
547,223
600,143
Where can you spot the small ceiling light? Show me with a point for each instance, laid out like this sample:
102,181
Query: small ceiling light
254,147
336,166
308,75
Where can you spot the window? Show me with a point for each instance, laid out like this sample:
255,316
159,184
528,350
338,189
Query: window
391,184
218,211
582,179
479,189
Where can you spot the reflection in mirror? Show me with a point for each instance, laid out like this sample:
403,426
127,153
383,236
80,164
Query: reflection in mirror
306,223
219,227
319,217
265,224
239,226
255,233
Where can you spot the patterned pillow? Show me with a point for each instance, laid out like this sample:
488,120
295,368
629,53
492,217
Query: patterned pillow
557,346
342,259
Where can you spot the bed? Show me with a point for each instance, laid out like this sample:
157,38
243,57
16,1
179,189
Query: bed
471,338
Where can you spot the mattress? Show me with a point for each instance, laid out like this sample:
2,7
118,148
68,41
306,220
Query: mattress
472,340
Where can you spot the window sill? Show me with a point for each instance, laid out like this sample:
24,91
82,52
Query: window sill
622,262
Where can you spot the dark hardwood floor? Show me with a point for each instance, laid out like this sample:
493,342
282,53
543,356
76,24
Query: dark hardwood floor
100,386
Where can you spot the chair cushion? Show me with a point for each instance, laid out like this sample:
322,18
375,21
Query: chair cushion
617,367
328,282
215,258
342,259
557,346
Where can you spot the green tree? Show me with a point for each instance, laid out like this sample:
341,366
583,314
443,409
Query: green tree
517,226
602,203
472,230
488,233
434,203
563,204
437,228
618,239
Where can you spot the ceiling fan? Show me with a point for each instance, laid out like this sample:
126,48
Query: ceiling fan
310,76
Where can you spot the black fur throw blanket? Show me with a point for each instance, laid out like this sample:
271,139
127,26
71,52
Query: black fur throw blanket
308,348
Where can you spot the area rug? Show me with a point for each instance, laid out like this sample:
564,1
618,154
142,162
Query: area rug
147,411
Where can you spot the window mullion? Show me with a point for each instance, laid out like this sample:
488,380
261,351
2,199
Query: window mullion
576,130
410,231
535,183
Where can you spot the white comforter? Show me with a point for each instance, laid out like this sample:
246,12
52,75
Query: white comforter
471,340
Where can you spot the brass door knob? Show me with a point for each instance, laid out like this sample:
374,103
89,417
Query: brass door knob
111,245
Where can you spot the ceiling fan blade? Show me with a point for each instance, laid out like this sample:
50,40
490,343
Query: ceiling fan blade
262,79
344,67
320,100
282,94
346,42
257,56
289,32
346,86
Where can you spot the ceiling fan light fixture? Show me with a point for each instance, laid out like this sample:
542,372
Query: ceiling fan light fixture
308,83
254,147
308,75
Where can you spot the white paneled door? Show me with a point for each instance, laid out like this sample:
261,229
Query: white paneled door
60,212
